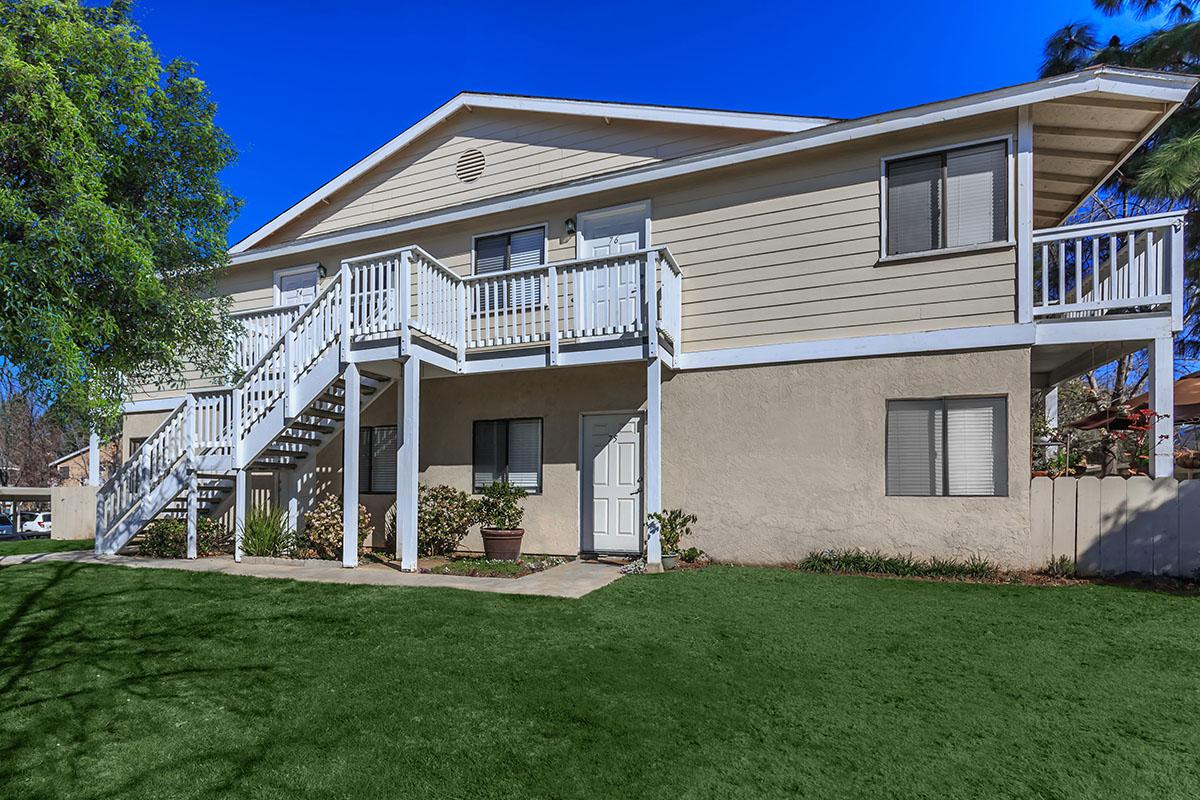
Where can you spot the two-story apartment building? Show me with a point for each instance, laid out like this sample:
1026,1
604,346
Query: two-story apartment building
809,332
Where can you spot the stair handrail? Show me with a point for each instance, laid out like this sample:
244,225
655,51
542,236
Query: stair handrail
138,471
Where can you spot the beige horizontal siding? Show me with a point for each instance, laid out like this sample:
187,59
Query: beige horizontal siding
783,251
523,151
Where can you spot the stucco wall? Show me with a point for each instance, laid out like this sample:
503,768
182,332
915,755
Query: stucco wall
779,461
450,405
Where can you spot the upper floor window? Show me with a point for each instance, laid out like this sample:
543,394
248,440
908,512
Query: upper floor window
955,198
505,252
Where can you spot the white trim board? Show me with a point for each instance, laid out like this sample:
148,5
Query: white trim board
952,339
740,120
1168,89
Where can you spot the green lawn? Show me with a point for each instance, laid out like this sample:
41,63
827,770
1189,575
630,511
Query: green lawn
719,683
45,546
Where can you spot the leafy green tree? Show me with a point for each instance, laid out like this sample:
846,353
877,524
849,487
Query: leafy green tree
113,219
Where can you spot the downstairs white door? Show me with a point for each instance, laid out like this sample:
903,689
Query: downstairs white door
611,512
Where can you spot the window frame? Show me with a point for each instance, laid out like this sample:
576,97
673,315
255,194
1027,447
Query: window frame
364,475
529,302
541,480
1010,199
945,437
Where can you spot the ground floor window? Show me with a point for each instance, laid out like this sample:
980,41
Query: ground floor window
948,446
377,460
508,450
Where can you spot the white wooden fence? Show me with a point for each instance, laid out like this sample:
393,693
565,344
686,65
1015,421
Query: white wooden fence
1114,525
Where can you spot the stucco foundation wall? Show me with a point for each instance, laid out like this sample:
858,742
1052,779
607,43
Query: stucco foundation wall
778,461
450,405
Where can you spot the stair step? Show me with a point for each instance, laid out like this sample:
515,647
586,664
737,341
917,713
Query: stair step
365,389
310,426
271,465
273,453
322,414
375,376
305,440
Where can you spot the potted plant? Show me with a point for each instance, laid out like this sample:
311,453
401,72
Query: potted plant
673,526
499,513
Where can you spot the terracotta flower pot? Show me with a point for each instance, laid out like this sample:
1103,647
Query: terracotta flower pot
502,545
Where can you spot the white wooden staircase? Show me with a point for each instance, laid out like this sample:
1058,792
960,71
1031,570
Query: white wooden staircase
385,307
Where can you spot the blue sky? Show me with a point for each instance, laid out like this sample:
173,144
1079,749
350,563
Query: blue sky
307,88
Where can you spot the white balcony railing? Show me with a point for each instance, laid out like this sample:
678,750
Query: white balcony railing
262,328
1134,264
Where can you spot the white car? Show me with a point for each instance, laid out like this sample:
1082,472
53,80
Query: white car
38,525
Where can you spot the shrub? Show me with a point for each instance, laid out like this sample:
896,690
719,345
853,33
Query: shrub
875,562
673,525
500,506
444,516
266,533
167,538
691,555
323,530
1061,567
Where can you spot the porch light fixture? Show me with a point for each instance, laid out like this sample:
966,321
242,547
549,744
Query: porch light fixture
321,271
569,226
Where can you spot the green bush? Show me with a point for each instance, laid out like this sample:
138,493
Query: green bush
167,538
875,562
1061,567
266,533
673,525
444,516
323,531
499,506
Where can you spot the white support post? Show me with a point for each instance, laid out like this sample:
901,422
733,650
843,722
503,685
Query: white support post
404,299
552,289
1051,400
1162,401
1175,278
351,442
460,327
292,486
408,413
193,490
653,481
1024,210
650,293
235,425
347,309
240,504
93,459
289,377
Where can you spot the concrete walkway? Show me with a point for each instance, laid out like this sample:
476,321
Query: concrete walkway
573,579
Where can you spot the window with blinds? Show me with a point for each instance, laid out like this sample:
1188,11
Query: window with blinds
377,460
506,252
955,198
949,447
507,450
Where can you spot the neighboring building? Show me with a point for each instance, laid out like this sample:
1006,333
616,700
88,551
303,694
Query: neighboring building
73,468
810,332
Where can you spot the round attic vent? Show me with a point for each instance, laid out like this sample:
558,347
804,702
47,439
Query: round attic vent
470,166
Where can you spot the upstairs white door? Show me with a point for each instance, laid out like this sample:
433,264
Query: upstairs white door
296,286
610,232
611,513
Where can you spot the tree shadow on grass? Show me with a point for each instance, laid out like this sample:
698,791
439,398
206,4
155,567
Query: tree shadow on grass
87,679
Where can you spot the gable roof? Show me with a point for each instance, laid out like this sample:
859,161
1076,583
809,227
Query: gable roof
1167,89
679,115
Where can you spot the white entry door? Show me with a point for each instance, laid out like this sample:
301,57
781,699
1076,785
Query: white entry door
296,286
611,513
610,232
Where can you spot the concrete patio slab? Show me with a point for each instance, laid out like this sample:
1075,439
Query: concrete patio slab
573,579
